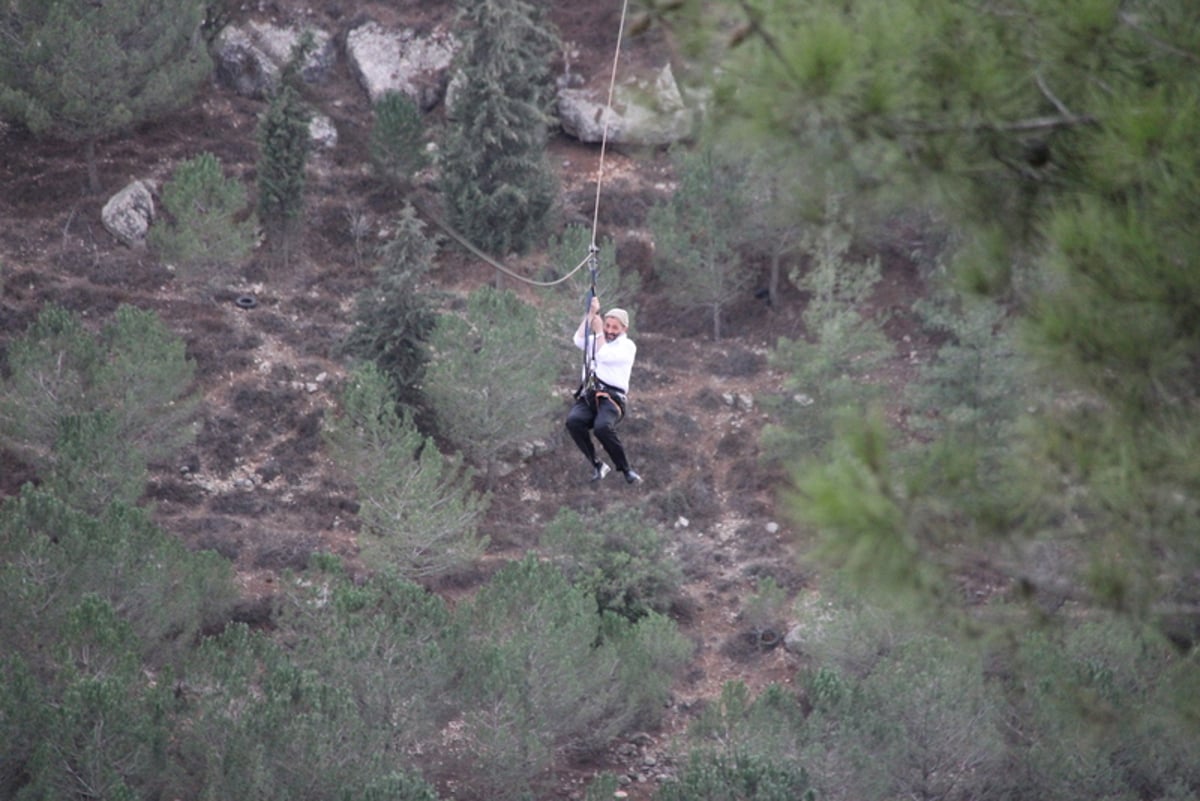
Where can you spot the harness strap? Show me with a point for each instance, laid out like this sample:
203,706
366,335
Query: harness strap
613,395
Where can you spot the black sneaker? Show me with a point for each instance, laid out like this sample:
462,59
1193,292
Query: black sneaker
632,477
600,471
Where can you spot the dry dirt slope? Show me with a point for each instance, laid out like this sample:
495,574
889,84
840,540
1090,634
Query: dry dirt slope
257,486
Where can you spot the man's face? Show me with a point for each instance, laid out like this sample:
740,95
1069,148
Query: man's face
612,328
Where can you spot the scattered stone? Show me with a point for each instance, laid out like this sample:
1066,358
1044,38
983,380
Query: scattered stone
793,640
323,132
127,214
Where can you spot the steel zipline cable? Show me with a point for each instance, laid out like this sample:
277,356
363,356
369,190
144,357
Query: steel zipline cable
590,260
589,347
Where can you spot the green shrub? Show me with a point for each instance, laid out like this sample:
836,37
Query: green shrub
392,787
490,386
1099,714
52,554
616,556
90,412
95,719
544,673
260,725
419,510
769,726
766,608
201,230
709,777
396,145
388,643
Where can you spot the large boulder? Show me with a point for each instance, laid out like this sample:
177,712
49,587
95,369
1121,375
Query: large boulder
250,58
648,110
401,61
127,214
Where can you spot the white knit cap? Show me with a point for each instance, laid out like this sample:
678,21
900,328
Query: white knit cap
620,314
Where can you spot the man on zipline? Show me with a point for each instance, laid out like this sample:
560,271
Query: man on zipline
600,402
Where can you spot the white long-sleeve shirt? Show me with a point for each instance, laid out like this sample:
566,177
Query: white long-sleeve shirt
614,360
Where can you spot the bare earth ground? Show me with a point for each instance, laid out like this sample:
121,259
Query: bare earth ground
257,485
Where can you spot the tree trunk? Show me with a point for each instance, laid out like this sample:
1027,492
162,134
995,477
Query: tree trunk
89,155
773,279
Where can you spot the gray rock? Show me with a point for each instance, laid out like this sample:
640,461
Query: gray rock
793,642
250,58
401,61
645,111
127,214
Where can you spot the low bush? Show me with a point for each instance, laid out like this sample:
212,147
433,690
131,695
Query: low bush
206,229
617,557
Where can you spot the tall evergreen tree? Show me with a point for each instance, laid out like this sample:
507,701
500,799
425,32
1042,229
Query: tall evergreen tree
419,511
394,318
496,180
397,145
284,143
698,231
86,71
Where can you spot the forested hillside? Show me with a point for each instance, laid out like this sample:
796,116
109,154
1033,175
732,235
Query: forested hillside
287,508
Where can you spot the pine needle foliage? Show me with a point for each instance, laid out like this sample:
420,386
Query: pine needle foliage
396,145
418,508
202,232
395,317
546,672
284,143
491,383
89,411
53,555
1078,205
496,181
86,71
829,372
697,234
618,556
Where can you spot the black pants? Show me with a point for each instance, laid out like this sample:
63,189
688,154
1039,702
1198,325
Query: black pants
603,422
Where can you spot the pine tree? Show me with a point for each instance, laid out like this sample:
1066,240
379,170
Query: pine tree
697,234
490,384
91,412
418,508
200,229
284,143
87,71
1060,137
496,180
394,318
397,146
